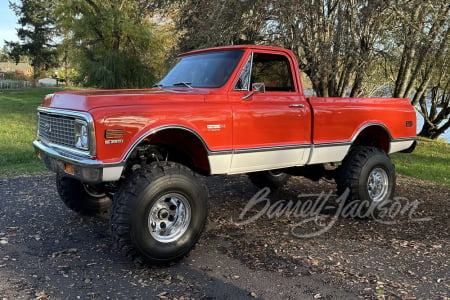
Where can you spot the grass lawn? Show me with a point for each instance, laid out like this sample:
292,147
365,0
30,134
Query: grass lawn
430,160
18,119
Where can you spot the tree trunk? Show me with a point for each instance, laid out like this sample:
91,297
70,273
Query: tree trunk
66,69
35,76
433,132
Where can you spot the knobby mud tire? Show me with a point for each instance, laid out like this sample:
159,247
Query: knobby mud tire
369,176
82,198
160,194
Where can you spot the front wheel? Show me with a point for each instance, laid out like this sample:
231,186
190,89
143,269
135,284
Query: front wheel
83,198
369,175
159,213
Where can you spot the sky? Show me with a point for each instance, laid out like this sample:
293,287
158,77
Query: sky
8,23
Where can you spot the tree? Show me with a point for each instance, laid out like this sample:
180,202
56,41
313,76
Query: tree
4,54
335,40
36,34
346,47
421,67
436,111
113,41
65,50
204,23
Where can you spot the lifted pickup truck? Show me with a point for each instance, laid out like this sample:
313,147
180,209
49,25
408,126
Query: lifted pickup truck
226,110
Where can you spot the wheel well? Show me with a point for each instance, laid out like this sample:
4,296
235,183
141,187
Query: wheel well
376,136
183,147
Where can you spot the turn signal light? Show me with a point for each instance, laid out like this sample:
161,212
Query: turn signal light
69,169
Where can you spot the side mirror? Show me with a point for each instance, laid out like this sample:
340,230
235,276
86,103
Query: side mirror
257,87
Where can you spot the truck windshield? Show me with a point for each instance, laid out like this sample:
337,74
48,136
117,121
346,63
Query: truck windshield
204,70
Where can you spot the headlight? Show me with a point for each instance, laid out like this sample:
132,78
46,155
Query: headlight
81,135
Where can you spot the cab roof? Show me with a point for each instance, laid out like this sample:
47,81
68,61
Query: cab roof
239,47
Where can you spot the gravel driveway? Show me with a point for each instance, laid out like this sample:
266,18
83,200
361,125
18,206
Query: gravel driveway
49,252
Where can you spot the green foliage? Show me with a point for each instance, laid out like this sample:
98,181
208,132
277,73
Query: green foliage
115,70
4,55
36,34
71,73
113,41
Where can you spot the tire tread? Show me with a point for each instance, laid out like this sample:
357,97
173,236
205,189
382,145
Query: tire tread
121,213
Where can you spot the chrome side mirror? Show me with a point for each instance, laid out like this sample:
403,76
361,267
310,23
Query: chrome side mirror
257,87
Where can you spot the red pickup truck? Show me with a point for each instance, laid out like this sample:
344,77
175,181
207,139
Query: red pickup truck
225,110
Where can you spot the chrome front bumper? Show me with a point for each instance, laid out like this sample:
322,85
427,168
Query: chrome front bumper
84,169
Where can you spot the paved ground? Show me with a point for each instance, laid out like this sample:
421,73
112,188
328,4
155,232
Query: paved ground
49,252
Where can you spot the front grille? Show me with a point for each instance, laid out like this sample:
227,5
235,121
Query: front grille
57,129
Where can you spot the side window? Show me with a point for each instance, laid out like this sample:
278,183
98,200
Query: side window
243,83
272,70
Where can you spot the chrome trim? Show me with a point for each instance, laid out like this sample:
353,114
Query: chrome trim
208,150
246,97
220,152
297,105
391,139
413,138
64,149
82,123
310,154
215,126
361,129
320,145
273,148
331,144
86,170
66,156
249,59
317,152
158,129
73,114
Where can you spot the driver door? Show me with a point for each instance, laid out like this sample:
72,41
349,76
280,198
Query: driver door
269,128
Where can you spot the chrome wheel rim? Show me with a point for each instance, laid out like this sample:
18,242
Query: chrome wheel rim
377,184
169,217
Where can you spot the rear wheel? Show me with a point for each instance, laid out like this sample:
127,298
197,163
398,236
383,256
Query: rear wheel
159,213
83,198
369,176
272,179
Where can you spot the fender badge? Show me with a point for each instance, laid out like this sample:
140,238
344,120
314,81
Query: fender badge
215,127
107,142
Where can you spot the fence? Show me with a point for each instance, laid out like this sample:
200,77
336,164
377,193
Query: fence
14,84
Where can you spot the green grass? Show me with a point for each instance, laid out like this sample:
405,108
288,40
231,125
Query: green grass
18,130
429,161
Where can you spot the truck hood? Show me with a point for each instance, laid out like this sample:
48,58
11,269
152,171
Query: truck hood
91,99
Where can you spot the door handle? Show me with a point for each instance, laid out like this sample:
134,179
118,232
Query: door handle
297,105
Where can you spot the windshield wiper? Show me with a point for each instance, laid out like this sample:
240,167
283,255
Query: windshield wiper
158,85
186,84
